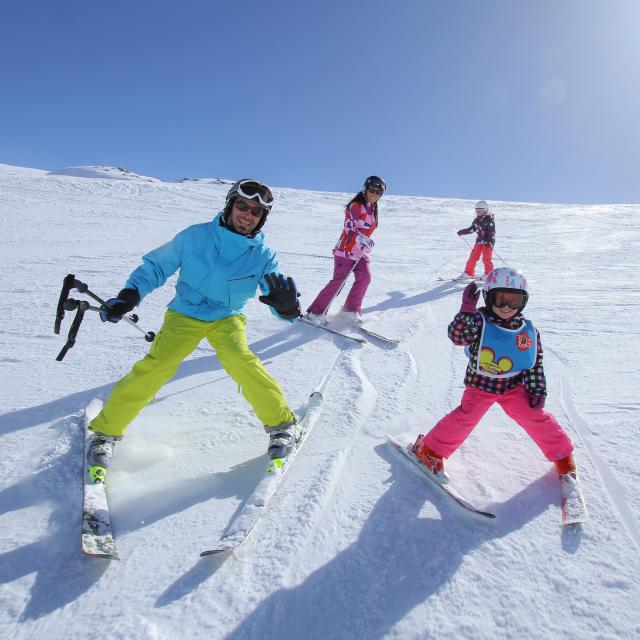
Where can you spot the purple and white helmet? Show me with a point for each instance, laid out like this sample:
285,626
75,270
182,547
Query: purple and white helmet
504,279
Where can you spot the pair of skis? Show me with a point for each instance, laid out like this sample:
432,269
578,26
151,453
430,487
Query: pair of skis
97,534
574,510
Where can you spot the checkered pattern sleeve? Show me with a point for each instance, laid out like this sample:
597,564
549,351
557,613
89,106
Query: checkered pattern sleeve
465,328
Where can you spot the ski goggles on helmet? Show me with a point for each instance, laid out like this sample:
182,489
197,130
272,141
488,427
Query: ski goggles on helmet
253,190
510,298
377,190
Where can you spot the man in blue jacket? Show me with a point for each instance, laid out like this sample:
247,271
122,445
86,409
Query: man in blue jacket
221,263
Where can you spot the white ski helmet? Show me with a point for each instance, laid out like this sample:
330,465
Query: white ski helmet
482,205
504,279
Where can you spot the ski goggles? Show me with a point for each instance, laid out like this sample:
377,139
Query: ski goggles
377,190
253,190
515,300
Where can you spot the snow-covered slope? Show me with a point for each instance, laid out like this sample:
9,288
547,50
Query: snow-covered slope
355,545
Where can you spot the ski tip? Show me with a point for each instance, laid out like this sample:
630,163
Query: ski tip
392,440
101,554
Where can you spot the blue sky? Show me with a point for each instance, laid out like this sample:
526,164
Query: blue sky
532,100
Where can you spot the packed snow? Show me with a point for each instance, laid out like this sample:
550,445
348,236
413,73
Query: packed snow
355,543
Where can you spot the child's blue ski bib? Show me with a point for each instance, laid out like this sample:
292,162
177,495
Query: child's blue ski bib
504,353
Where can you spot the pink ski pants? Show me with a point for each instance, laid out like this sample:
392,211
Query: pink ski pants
541,426
342,267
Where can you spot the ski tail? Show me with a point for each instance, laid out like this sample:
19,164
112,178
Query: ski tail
97,535
574,508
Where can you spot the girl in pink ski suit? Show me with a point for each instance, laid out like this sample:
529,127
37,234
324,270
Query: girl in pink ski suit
351,253
505,366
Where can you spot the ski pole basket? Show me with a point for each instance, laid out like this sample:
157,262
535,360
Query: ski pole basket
65,303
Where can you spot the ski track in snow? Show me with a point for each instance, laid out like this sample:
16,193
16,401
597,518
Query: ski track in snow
614,488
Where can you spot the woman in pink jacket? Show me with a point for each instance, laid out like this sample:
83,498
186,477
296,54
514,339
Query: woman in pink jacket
351,254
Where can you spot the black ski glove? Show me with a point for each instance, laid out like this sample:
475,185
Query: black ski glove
115,308
283,296
536,402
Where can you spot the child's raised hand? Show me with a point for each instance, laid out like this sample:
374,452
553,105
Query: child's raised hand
470,297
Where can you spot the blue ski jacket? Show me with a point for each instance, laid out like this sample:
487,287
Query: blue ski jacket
219,270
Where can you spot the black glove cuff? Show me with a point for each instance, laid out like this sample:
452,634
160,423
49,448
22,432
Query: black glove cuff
130,296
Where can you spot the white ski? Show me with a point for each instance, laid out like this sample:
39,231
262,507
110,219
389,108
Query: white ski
574,509
379,336
97,537
255,506
447,489
330,330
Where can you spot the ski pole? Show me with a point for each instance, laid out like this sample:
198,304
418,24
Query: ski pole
131,319
504,262
81,306
494,251
466,242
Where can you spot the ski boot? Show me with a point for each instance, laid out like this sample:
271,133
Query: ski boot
464,277
355,317
566,468
431,460
317,318
282,439
99,454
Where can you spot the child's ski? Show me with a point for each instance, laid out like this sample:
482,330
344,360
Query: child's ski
447,489
97,537
574,509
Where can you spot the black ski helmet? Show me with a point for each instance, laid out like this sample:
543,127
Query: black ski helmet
251,190
376,182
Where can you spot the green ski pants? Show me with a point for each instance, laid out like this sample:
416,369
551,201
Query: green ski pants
177,338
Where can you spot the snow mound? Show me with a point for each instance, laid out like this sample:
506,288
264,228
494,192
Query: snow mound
208,180
112,173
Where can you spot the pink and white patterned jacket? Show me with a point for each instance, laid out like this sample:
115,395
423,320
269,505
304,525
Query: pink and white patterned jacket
355,240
